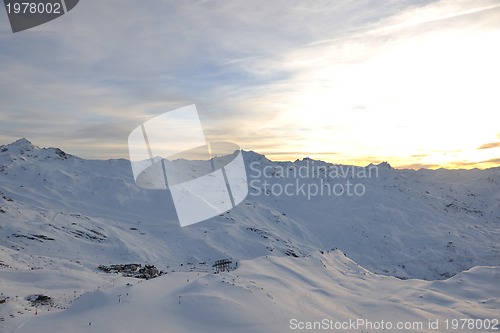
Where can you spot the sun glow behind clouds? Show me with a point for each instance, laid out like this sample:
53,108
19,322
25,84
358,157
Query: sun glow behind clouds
426,95
410,82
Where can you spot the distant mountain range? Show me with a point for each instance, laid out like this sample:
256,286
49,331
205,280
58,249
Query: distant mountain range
60,214
427,224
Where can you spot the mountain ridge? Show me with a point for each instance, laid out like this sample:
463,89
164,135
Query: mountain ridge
373,228
61,217
26,145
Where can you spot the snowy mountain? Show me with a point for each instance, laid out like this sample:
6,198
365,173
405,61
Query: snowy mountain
62,216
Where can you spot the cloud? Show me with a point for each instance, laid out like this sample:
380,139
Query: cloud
490,163
490,145
271,76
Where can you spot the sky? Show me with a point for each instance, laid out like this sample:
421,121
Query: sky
414,83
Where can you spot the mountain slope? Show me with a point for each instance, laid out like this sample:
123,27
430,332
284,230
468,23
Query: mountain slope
423,224
278,294
62,216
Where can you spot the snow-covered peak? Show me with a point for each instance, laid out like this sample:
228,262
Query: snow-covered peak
21,145
251,156
24,148
382,165
385,164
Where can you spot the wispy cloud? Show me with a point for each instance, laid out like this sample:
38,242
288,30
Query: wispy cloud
360,78
490,145
494,162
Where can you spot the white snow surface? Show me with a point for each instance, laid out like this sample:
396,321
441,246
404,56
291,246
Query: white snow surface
416,246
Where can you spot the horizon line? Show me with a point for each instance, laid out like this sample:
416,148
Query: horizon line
459,165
